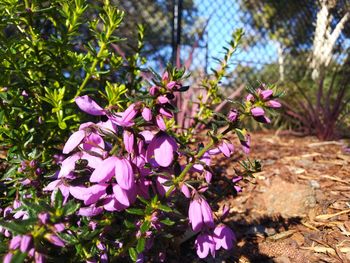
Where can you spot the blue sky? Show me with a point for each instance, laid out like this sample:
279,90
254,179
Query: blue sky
226,16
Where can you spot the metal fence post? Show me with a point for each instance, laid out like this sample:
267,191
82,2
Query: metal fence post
176,29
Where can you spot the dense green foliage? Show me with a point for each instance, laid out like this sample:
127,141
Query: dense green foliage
51,52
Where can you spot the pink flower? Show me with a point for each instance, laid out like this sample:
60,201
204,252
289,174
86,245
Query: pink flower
273,104
146,114
26,243
223,237
15,242
86,104
68,165
265,94
232,115
124,174
8,258
249,97
185,190
129,141
55,240
200,214
257,111
204,244
104,171
162,149
73,141
160,122
226,148
246,144
124,197
125,119
90,211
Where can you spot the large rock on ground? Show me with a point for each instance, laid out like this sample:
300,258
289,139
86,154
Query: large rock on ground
286,199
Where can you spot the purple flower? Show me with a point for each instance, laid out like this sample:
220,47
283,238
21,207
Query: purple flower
44,217
200,214
104,171
68,165
162,149
160,122
265,94
185,190
15,242
73,141
124,197
166,113
55,240
232,115
154,90
86,104
39,258
246,144
204,244
26,243
273,104
8,258
124,174
90,211
223,237
226,148
89,195
129,141
146,114
162,99
257,111
161,188
249,97
125,119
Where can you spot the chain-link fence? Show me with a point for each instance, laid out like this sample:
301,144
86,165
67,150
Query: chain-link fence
279,35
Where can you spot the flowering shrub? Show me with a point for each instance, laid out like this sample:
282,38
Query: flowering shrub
129,184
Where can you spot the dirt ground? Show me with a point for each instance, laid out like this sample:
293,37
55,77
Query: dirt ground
296,209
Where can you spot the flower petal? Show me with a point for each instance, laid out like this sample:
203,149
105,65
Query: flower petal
73,141
124,173
85,103
104,171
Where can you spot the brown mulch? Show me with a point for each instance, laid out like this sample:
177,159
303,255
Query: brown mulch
297,209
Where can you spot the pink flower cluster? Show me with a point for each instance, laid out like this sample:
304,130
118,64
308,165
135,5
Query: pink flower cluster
265,99
132,154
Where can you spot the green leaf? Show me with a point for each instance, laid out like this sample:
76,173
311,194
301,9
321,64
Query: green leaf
58,199
140,247
70,208
240,134
164,208
13,227
167,222
133,254
19,257
129,225
31,206
135,211
68,238
145,226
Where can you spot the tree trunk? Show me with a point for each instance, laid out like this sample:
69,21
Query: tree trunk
324,39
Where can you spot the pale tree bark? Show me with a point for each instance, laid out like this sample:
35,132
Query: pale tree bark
281,63
325,38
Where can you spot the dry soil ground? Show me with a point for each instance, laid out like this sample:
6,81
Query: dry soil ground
297,209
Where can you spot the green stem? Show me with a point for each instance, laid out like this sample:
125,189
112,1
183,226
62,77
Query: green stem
88,74
178,179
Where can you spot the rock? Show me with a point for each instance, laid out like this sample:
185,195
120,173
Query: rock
286,199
